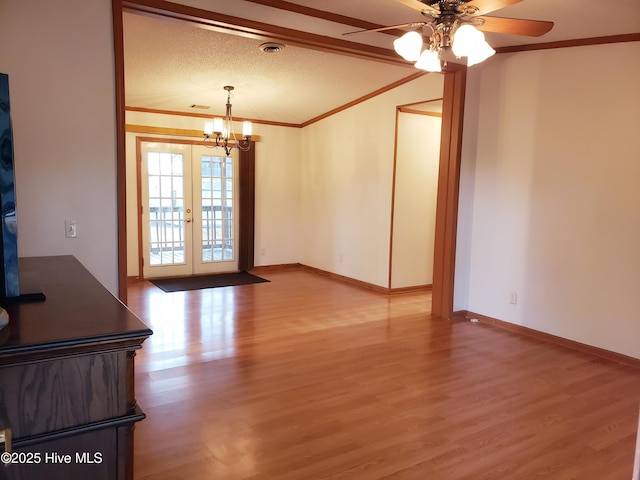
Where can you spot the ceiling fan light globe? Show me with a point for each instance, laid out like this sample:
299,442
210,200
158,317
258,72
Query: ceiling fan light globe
480,54
429,61
408,46
466,40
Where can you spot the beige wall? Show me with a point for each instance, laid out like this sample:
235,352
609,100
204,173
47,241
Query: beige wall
319,202
346,184
550,205
277,195
63,114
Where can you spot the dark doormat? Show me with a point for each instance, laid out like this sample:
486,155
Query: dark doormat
178,284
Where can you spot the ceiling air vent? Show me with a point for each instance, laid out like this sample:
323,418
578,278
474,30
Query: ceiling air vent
201,107
271,47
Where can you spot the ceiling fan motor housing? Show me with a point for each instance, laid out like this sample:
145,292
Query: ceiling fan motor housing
446,5
455,7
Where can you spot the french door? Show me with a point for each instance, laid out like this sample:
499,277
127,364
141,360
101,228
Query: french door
189,209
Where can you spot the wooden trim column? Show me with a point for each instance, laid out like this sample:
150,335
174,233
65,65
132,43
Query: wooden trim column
448,189
247,194
121,158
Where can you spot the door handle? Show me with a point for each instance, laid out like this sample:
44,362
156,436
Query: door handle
187,220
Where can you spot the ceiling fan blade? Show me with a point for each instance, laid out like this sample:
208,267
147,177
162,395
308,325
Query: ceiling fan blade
486,6
514,26
421,7
382,29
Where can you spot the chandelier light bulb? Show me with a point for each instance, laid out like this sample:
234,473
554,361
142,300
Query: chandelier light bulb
408,46
246,128
217,125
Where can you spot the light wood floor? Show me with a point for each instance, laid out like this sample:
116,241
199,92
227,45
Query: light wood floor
309,378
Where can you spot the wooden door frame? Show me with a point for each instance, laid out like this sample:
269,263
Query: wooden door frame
450,153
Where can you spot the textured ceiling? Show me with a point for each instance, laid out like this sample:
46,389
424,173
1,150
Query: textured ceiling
170,65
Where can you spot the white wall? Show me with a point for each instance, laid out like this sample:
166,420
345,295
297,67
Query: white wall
277,222
277,188
414,219
59,58
346,182
553,174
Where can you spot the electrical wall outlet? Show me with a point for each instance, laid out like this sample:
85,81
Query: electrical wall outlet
513,298
263,251
70,229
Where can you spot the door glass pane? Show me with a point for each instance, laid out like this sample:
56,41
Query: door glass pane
217,209
166,208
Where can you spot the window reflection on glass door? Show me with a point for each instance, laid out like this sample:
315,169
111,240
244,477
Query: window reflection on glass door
166,208
217,208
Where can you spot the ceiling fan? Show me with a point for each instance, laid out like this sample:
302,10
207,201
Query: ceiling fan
456,31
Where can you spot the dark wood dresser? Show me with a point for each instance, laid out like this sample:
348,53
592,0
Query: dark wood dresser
67,377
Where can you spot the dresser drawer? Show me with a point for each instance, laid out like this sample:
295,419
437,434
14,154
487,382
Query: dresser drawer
61,393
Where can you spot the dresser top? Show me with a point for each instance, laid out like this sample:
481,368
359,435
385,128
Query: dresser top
78,313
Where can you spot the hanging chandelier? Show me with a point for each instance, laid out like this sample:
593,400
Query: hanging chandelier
219,132
450,37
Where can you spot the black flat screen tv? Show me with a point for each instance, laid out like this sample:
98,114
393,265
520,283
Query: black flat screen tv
9,274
